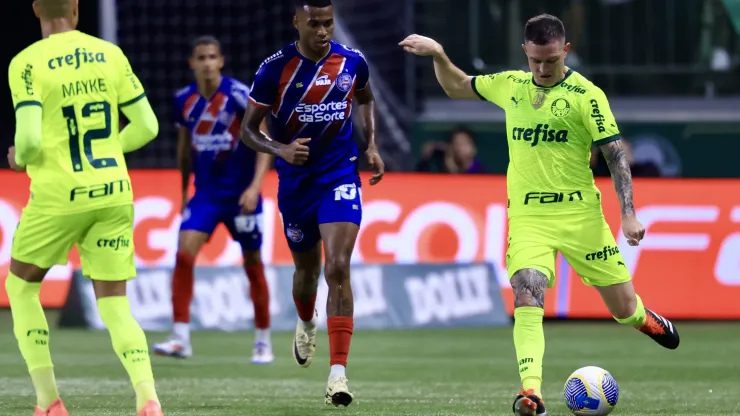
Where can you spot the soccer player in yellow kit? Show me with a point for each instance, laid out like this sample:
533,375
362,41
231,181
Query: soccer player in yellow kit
67,89
553,115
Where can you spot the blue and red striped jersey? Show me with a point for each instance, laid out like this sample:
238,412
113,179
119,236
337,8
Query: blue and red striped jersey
222,164
311,99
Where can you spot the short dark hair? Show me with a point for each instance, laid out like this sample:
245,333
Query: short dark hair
299,4
461,130
205,40
544,29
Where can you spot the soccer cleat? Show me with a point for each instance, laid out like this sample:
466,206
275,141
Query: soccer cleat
527,403
174,347
262,353
660,330
337,392
55,409
151,408
304,342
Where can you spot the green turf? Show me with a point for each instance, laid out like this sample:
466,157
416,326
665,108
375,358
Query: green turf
446,372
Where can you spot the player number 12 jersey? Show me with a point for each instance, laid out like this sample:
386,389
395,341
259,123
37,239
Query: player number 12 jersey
80,82
550,131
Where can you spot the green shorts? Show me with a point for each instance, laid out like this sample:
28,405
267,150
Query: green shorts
104,238
585,241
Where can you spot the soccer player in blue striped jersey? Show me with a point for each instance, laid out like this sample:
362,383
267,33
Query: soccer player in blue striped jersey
308,89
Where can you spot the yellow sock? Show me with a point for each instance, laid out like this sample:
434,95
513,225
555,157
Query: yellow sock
529,341
130,345
638,318
32,332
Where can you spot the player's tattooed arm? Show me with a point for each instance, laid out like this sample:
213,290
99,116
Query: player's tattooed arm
252,136
616,157
529,287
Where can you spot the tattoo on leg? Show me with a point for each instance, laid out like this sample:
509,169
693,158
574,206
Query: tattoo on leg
529,287
340,301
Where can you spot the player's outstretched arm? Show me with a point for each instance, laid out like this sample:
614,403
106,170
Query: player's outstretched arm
143,126
616,157
456,83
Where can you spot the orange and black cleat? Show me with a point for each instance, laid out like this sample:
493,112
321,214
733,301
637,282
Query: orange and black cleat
528,404
660,330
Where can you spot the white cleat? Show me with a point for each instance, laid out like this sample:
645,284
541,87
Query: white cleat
304,342
174,347
262,353
337,392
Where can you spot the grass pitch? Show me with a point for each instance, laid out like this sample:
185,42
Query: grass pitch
441,372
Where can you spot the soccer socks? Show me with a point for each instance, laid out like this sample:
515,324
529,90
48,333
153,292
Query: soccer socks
183,280
129,343
260,294
638,318
305,308
340,330
32,332
529,341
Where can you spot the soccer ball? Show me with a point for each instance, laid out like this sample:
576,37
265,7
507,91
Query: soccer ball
591,391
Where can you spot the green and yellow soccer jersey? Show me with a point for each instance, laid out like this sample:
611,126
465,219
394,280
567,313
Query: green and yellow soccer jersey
80,82
550,132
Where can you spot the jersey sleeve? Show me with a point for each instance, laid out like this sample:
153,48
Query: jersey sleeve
598,118
363,72
492,87
240,95
264,88
130,89
177,116
24,86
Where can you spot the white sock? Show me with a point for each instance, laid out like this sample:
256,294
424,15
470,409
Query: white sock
181,330
338,371
262,336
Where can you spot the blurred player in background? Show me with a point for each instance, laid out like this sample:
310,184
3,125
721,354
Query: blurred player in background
67,89
228,183
553,114
308,88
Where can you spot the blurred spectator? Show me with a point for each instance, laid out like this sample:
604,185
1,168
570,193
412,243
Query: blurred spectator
458,155
644,169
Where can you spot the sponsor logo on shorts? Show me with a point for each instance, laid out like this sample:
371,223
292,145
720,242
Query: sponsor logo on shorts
539,134
599,118
117,243
604,254
294,234
100,190
552,197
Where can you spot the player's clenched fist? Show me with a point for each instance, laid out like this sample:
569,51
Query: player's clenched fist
633,230
421,45
295,153
11,160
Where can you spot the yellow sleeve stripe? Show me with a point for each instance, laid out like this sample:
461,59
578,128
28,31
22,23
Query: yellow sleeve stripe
609,139
475,90
27,103
129,102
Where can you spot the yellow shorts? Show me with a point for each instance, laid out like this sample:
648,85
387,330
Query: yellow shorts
104,238
585,241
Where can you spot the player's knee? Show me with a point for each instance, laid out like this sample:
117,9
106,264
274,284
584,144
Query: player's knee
336,269
529,286
190,242
308,274
252,258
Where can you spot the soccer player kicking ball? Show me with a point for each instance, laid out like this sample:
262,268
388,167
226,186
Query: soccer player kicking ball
228,182
553,115
67,89
308,89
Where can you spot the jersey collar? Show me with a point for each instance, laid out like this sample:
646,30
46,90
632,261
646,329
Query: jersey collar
567,74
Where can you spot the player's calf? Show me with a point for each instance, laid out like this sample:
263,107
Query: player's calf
305,285
529,286
259,292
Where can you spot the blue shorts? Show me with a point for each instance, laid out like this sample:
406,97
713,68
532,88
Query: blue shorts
304,210
204,214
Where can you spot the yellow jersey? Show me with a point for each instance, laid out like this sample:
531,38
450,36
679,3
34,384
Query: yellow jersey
550,131
80,82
